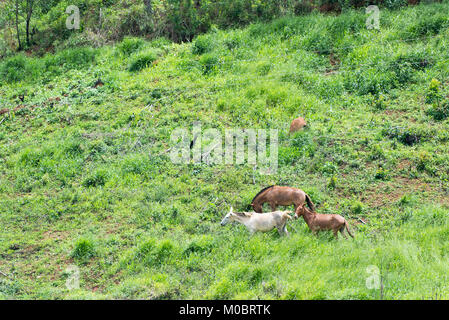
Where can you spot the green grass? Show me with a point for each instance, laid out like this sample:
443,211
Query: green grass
85,178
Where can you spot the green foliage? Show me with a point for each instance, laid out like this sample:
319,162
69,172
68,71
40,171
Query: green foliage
382,174
130,45
142,60
96,179
82,157
83,250
439,111
17,68
433,94
408,136
202,44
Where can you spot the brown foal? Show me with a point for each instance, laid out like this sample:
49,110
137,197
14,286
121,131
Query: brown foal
320,222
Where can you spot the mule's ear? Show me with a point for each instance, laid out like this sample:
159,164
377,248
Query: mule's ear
231,210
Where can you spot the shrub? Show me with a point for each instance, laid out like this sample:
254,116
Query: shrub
142,60
202,44
18,68
423,161
439,111
381,174
408,136
209,63
130,45
70,59
428,25
433,93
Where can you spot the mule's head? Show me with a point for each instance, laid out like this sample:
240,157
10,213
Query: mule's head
227,218
299,211
257,207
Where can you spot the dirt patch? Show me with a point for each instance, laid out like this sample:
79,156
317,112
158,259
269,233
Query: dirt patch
390,192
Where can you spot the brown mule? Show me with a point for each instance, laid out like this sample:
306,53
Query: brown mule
281,196
320,222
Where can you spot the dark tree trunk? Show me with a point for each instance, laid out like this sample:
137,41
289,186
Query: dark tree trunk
29,12
148,6
17,25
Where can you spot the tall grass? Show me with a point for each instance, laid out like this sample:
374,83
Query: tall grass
86,177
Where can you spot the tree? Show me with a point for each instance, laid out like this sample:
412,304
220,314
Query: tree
17,25
23,11
29,6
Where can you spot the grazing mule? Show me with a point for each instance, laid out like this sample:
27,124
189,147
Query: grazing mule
319,222
260,222
281,196
297,125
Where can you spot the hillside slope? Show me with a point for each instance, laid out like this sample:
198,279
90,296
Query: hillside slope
86,179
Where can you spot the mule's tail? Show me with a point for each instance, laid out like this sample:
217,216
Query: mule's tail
347,229
310,203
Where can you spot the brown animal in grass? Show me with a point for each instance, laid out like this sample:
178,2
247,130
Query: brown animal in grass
280,196
3,111
297,124
320,222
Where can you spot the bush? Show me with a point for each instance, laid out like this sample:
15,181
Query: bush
381,174
71,58
429,25
439,111
142,60
408,136
433,94
202,44
130,45
17,68
209,63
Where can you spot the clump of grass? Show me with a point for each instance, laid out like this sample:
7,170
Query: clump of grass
382,174
439,111
332,183
129,45
98,178
84,249
408,136
202,44
71,58
423,161
142,60
209,63
19,68
433,92
154,253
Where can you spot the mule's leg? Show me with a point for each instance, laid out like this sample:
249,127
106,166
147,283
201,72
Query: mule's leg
280,230
285,230
335,233
273,206
342,231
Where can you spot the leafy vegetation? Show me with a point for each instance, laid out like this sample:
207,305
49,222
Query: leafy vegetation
86,178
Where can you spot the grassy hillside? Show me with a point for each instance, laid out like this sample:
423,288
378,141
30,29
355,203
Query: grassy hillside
85,178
